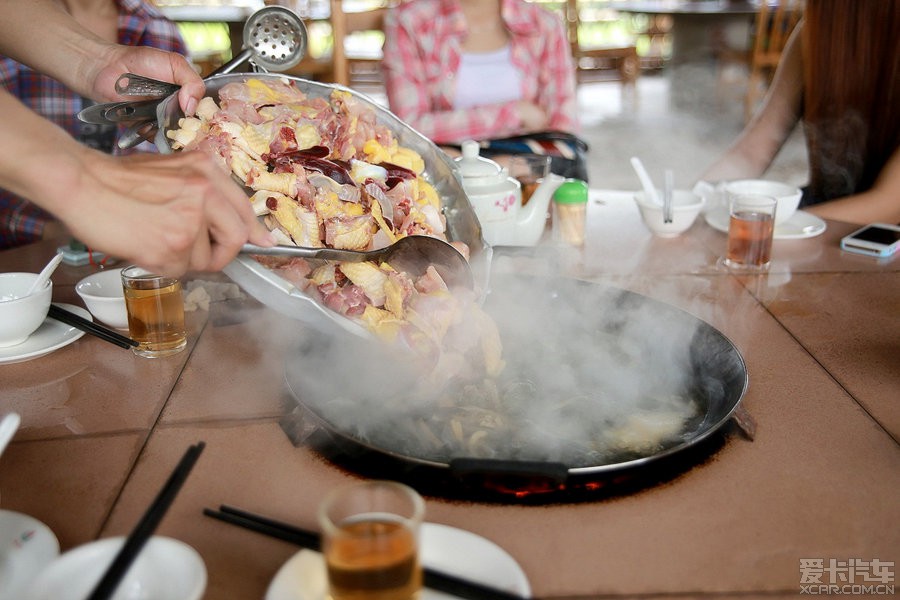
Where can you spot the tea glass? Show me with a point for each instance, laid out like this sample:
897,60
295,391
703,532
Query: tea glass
370,539
529,170
155,312
751,228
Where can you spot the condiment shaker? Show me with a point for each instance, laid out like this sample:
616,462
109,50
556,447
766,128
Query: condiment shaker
570,212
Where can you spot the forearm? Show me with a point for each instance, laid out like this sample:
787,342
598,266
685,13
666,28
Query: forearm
753,151
66,51
880,204
32,151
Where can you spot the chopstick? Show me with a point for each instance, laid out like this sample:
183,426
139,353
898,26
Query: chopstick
146,526
78,322
433,579
667,196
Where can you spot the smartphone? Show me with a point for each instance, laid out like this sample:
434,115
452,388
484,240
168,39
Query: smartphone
877,239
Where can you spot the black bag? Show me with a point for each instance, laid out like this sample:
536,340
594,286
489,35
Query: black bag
568,152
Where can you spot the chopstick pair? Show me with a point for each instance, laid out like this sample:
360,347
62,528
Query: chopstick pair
78,322
143,531
310,540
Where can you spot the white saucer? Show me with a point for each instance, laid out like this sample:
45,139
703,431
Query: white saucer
444,548
800,226
26,547
51,335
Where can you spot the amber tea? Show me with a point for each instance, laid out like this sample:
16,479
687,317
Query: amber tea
370,541
155,312
750,232
372,559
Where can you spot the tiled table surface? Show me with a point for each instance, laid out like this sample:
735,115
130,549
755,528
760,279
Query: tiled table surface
101,430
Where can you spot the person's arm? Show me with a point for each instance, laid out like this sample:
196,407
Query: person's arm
558,89
167,213
82,61
879,204
758,144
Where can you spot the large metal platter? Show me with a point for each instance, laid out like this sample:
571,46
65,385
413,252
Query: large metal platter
548,326
440,170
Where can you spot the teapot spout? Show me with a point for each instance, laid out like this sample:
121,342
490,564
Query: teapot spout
532,217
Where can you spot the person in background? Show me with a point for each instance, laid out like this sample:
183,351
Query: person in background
168,213
128,22
479,69
840,74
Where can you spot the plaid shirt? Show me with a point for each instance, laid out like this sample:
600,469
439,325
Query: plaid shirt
140,24
422,53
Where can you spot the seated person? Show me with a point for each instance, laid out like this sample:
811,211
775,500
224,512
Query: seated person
839,73
128,22
484,70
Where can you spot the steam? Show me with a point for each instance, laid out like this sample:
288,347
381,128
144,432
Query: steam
593,375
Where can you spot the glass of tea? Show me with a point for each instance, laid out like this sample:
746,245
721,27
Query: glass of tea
370,539
529,170
751,227
155,312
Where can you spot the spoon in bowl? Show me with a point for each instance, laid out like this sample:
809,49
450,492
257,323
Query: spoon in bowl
45,274
646,182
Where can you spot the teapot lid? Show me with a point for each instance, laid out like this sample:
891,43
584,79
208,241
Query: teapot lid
472,165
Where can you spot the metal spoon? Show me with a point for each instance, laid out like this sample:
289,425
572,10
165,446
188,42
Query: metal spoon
8,427
412,254
45,274
274,40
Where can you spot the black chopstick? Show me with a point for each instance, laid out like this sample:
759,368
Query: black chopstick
146,526
78,322
433,579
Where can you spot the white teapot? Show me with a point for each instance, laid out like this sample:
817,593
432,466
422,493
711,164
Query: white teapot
497,200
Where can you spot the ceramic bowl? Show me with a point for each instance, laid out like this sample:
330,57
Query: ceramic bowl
686,205
787,196
104,297
21,315
165,569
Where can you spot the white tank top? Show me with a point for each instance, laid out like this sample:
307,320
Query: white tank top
487,78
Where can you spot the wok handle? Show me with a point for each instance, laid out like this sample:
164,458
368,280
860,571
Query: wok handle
532,476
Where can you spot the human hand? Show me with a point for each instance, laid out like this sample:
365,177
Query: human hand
532,116
149,62
167,213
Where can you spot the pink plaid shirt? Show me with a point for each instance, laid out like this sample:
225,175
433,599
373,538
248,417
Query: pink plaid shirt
422,50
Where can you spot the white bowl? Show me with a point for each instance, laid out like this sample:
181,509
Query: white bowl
686,205
787,196
103,295
165,569
21,315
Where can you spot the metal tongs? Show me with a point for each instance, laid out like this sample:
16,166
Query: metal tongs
274,40
413,254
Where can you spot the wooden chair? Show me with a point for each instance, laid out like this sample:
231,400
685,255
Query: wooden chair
354,69
621,61
774,24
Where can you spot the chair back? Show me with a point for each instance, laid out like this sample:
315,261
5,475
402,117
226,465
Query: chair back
356,68
774,23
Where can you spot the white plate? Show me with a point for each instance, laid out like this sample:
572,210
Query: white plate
444,548
800,226
26,547
51,335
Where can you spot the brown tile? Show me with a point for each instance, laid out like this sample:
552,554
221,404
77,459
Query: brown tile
860,310
237,368
91,386
69,484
